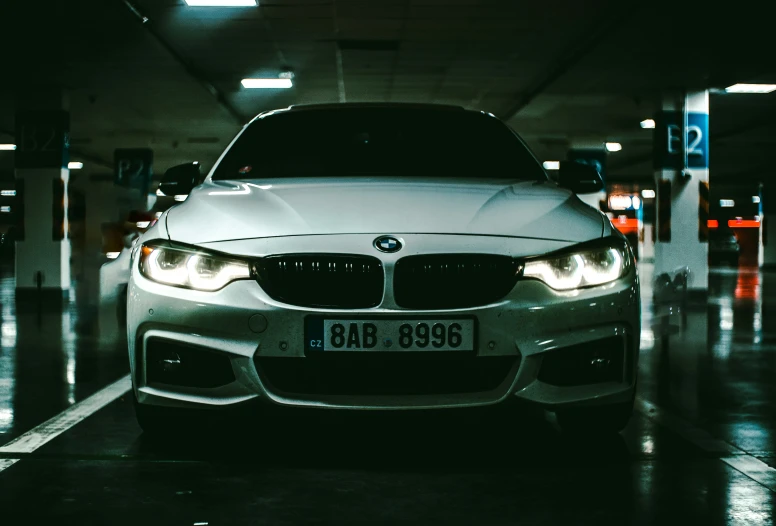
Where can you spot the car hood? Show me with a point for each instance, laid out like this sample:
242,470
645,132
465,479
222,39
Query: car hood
248,209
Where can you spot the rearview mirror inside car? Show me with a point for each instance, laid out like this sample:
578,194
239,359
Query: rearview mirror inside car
180,180
579,178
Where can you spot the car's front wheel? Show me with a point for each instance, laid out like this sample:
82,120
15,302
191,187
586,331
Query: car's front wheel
595,420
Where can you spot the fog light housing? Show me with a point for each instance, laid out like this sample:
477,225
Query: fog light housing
174,363
593,362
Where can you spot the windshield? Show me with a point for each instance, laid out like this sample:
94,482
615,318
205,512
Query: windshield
378,142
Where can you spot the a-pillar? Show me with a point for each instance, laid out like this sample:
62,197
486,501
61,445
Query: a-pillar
41,158
681,163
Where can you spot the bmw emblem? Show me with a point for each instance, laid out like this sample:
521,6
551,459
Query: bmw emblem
387,244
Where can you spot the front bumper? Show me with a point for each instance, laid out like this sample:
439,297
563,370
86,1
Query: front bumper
530,322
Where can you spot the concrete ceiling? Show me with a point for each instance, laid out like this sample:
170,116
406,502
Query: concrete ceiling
559,71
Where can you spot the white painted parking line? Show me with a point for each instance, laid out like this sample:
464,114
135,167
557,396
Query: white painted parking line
755,469
6,463
736,458
55,426
689,432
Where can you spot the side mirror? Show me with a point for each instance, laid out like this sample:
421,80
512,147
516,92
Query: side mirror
579,178
180,180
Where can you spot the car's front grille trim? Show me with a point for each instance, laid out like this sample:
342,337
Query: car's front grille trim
448,281
333,281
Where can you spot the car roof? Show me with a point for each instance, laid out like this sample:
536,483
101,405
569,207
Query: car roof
364,105
367,105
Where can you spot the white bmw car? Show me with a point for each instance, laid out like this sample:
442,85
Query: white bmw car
392,257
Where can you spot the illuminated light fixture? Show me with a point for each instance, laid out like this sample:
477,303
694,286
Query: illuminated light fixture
648,194
7,193
620,202
755,199
751,88
267,83
75,165
551,165
712,223
627,224
112,255
647,124
159,192
743,223
5,209
143,224
727,203
221,3
7,147
613,146
180,198
636,202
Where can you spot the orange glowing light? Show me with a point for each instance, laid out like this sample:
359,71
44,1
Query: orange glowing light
712,223
747,286
627,225
743,223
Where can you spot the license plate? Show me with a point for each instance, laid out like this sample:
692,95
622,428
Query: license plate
397,335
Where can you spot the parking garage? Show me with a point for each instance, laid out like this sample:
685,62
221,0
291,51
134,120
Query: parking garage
286,262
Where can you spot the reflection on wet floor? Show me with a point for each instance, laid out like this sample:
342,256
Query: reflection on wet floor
46,364
718,372
710,366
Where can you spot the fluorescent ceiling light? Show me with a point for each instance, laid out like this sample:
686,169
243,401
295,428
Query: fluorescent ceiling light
613,146
7,193
727,203
221,3
620,202
648,194
112,255
751,88
551,165
75,165
755,199
647,123
7,147
267,83
181,197
5,209
143,224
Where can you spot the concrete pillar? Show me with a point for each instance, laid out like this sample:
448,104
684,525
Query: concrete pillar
647,244
681,163
591,152
768,227
43,255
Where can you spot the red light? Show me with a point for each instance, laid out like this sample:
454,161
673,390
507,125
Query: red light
743,223
712,223
627,225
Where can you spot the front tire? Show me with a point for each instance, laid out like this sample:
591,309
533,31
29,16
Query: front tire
608,419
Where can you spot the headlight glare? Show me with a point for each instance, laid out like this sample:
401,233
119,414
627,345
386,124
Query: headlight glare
189,268
585,268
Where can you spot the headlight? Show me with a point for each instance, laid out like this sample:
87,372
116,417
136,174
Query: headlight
586,266
189,268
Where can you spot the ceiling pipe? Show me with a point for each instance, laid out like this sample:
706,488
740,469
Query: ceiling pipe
190,69
574,54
